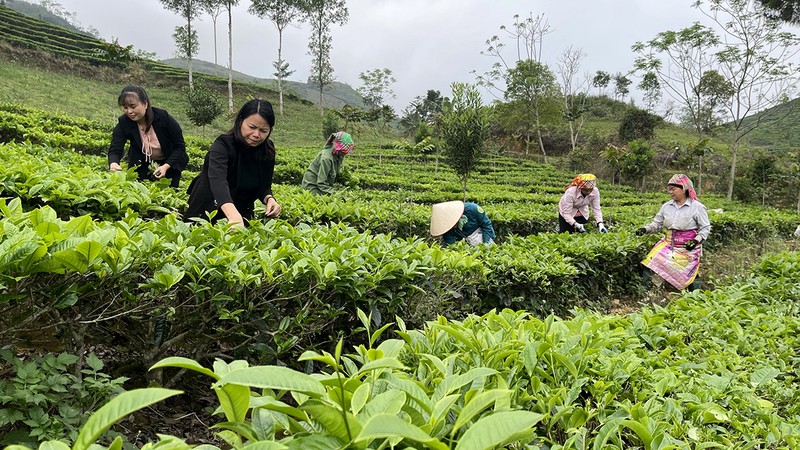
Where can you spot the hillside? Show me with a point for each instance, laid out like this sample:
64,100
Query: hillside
779,129
42,13
50,67
336,95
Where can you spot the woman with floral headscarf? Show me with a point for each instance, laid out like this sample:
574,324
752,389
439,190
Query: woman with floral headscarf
676,257
573,208
324,169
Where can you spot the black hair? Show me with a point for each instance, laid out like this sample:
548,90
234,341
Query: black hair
264,109
140,93
686,191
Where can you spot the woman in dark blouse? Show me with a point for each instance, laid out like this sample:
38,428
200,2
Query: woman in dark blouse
155,137
238,169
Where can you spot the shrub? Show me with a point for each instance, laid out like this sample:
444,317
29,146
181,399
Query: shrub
42,400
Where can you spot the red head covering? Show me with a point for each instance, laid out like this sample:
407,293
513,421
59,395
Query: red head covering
583,181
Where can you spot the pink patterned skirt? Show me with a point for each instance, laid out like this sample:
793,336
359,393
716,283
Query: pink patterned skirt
672,262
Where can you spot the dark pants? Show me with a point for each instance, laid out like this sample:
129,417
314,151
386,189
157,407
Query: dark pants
145,174
564,226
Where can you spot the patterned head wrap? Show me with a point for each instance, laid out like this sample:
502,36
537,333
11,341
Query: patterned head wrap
683,181
342,143
584,181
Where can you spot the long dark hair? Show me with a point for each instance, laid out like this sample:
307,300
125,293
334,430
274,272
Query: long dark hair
140,94
264,109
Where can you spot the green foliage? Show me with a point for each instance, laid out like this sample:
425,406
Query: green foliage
187,43
100,421
423,147
76,184
376,87
464,126
115,54
43,400
786,10
638,124
330,124
710,370
422,112
204,105
362,400
636,160
321,15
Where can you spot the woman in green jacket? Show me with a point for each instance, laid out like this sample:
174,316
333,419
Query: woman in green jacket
324,169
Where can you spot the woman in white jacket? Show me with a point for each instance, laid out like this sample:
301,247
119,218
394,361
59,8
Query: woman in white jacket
573,208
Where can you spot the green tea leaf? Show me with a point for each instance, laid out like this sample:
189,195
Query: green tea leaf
119,407
499,429
763,376
184,363
274,377
391,426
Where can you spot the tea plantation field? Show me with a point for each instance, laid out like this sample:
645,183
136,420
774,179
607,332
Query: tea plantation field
344,325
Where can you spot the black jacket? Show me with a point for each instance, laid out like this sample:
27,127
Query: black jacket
169,134
218,180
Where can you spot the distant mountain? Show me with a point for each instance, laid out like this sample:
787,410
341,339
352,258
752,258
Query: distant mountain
336,94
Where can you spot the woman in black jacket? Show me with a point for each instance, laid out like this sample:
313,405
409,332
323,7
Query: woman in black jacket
154,136
238,169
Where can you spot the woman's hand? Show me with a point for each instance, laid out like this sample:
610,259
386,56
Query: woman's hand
114,167
272,207
235,219
161,170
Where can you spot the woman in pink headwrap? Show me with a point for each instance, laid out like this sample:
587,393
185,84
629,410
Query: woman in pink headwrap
573,208
323,170
676,257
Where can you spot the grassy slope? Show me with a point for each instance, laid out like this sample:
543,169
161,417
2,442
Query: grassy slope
336,94
94,99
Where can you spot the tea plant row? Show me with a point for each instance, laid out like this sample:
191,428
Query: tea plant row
711,370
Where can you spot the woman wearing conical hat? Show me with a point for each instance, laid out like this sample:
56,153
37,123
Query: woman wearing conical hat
458,220
573,208
676,257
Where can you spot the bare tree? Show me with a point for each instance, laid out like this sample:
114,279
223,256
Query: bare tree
678,60
213,8
229,4
189,10
282,13
527,37
574,90
321,14
376,87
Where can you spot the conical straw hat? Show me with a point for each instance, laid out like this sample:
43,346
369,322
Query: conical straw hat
444,216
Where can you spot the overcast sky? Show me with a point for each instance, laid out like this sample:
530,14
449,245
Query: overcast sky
428,44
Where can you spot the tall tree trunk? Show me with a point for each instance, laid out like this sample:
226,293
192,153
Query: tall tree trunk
539,134
572,135
230,60
191,50
321,108
280,70
214,20
733,169
699,187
